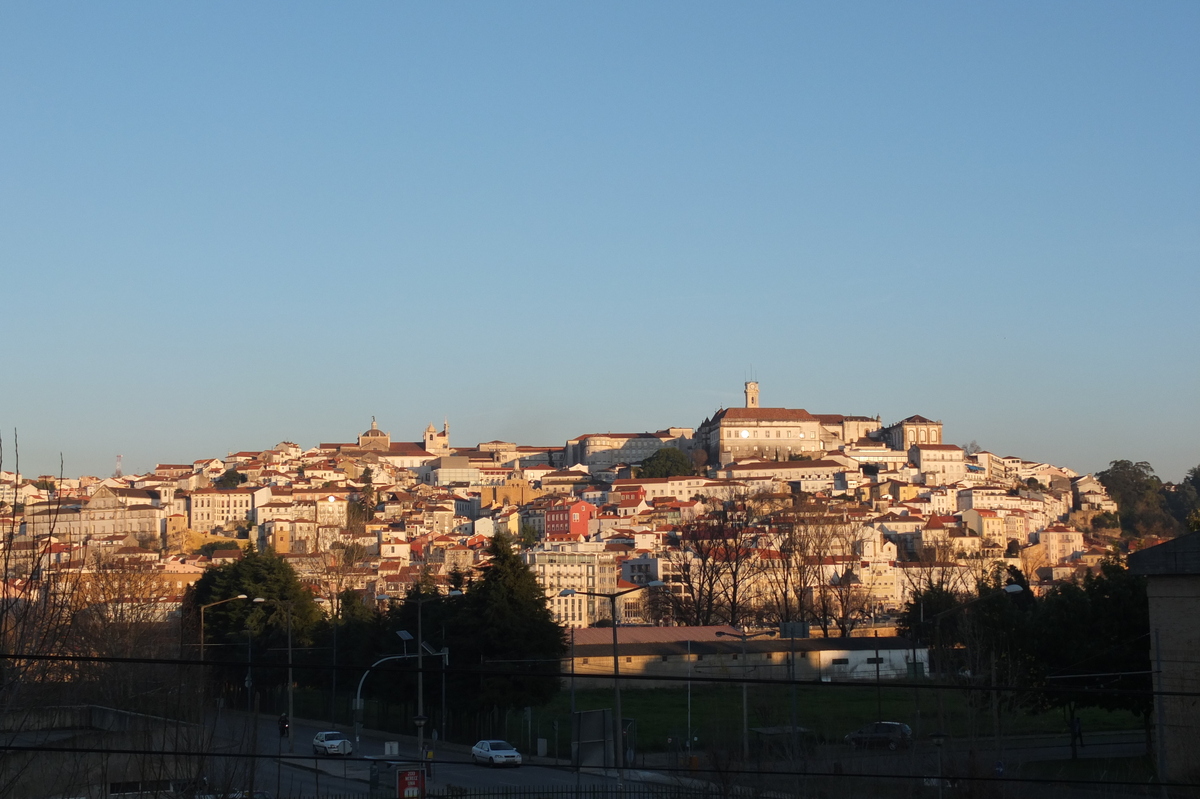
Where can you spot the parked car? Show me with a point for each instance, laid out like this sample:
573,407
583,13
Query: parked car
496,753
331,743
888,734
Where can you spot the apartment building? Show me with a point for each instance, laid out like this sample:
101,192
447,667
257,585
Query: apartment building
584,566
211,508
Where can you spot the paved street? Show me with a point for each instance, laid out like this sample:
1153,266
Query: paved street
303,774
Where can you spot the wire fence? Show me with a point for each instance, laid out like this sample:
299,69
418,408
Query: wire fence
850,787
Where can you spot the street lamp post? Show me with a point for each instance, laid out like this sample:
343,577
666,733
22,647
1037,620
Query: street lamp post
287,604
745,707
249,670
358,693
618,722
421,718
405,636
206,607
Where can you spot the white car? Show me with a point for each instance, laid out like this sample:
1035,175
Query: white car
496,753
331,743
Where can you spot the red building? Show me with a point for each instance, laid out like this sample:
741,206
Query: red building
569,518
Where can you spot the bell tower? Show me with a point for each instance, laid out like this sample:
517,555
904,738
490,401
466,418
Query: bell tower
751,394
438,443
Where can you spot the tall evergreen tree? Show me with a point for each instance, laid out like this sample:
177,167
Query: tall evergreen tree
257,575
503,624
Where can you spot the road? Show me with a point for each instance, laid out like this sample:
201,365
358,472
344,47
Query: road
303,774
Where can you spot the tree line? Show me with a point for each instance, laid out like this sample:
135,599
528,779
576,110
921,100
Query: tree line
1149,506
766,560
1081,644
499,625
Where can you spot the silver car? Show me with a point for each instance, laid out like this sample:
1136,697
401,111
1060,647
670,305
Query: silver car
496,753
331,743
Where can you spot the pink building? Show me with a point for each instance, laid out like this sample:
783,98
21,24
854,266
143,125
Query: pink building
569,517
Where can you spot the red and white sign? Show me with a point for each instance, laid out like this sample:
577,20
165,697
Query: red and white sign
410,784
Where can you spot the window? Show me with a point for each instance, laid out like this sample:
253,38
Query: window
664,658
874,661
841,661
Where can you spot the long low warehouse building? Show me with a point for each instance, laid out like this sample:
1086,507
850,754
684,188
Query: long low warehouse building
676,654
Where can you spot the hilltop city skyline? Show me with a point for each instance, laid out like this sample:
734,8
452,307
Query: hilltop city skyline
145,454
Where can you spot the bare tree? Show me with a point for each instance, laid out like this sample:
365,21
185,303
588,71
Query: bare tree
741,565
119,610
35,625
717,564
813,574
851,602
342,571
938,567
57,614
696,563
799,539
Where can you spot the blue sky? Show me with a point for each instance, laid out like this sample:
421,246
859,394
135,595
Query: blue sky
223,225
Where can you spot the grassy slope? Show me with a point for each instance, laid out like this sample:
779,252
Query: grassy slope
830,711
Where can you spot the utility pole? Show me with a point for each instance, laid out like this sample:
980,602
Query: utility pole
878,687
618,722
420,717
792,677
1160,746
995,708
745,704
689,703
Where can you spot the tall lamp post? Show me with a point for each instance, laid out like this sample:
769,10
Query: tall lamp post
744,637
287,604
206,607
421,718
250,671
618,722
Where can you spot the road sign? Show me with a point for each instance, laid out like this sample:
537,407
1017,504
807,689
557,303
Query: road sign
410,784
